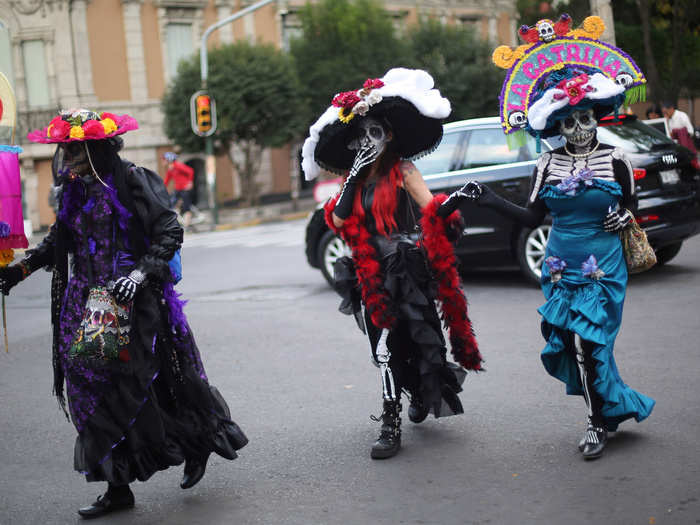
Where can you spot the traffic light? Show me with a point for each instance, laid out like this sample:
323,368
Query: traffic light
202,114
203,105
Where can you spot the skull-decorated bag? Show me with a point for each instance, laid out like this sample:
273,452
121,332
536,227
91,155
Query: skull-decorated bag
103,333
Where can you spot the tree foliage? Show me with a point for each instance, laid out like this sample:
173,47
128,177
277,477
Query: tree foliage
460,63
343,43
257,101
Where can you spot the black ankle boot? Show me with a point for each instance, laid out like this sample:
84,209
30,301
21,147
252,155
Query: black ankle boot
194,471
116,498
417,411
389,440
594,442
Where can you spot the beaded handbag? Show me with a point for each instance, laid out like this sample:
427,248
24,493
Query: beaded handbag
639,254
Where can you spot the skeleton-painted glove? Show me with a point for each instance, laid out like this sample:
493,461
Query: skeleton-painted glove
10,276
366,155
470,191
618,220
125,288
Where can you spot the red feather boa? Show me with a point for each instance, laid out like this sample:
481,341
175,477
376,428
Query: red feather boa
443,262
367,266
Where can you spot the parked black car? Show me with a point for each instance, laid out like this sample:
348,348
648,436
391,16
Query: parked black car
668,187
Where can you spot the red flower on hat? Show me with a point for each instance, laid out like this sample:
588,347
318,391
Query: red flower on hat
108,115
373,83
93,129
346,100
574,88
58,129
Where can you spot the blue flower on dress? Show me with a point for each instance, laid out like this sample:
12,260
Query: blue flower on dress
590,268
570,184
556,267
4,229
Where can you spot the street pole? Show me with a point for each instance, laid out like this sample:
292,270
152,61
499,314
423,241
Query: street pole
603,9
204,68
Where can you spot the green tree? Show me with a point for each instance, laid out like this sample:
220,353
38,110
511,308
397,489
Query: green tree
256,90
460,63
343,43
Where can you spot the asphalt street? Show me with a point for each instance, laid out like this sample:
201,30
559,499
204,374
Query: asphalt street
297,377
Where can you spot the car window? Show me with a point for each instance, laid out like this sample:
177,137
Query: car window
633,136
488,147
443,158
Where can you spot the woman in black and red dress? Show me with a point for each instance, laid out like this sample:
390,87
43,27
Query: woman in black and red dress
402,260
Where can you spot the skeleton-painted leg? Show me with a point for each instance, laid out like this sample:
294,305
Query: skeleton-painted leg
383,356
595,438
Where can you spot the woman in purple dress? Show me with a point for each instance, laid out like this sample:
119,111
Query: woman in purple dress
137,392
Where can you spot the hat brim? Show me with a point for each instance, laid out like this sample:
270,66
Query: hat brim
414,134
601,108
124,123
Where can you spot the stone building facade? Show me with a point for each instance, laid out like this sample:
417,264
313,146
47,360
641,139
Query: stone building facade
119,55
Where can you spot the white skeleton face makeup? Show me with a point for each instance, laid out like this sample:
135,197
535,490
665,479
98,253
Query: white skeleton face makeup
579,128
370,132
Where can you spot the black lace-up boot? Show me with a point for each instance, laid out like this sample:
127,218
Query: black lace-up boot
389,440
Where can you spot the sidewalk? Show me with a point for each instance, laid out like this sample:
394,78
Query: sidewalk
230,218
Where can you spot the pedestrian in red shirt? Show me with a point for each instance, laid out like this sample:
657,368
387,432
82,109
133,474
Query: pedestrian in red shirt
183,177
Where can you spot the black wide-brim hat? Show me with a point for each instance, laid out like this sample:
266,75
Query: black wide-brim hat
414,135
404,100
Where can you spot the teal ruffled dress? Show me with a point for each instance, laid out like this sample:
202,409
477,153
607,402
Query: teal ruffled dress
586,298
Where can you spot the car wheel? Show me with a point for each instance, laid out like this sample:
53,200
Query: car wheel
330,249
668,252
531,249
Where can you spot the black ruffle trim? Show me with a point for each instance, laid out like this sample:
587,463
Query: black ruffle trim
165,431
416,342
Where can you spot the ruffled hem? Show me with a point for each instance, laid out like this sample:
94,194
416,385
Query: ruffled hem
552,192
158,436
582,310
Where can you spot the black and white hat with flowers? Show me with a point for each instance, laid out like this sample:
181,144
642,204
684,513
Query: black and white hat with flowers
405,99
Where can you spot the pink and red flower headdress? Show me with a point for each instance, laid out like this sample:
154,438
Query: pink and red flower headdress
78,125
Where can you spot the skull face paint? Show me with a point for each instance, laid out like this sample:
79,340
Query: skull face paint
579,128
371,132
75,158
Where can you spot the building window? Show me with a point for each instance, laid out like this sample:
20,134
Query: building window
35,73
6,53
179,45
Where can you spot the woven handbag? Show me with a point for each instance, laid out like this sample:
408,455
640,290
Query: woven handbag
639,254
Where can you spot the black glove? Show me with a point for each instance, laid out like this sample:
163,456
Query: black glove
366,155
470,191
618,220
125,288
9,277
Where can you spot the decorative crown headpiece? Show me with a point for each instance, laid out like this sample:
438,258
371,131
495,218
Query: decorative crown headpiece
588,73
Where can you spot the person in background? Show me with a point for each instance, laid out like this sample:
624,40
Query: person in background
183,177
676,118
653,112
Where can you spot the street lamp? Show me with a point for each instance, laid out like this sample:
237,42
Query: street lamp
204,67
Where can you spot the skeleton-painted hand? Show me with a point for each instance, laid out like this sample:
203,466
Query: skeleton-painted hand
470,191
366,155
616,221
125,288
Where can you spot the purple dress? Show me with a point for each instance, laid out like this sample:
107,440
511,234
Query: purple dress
152,407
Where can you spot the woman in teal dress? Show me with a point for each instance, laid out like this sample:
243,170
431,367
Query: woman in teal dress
588,189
